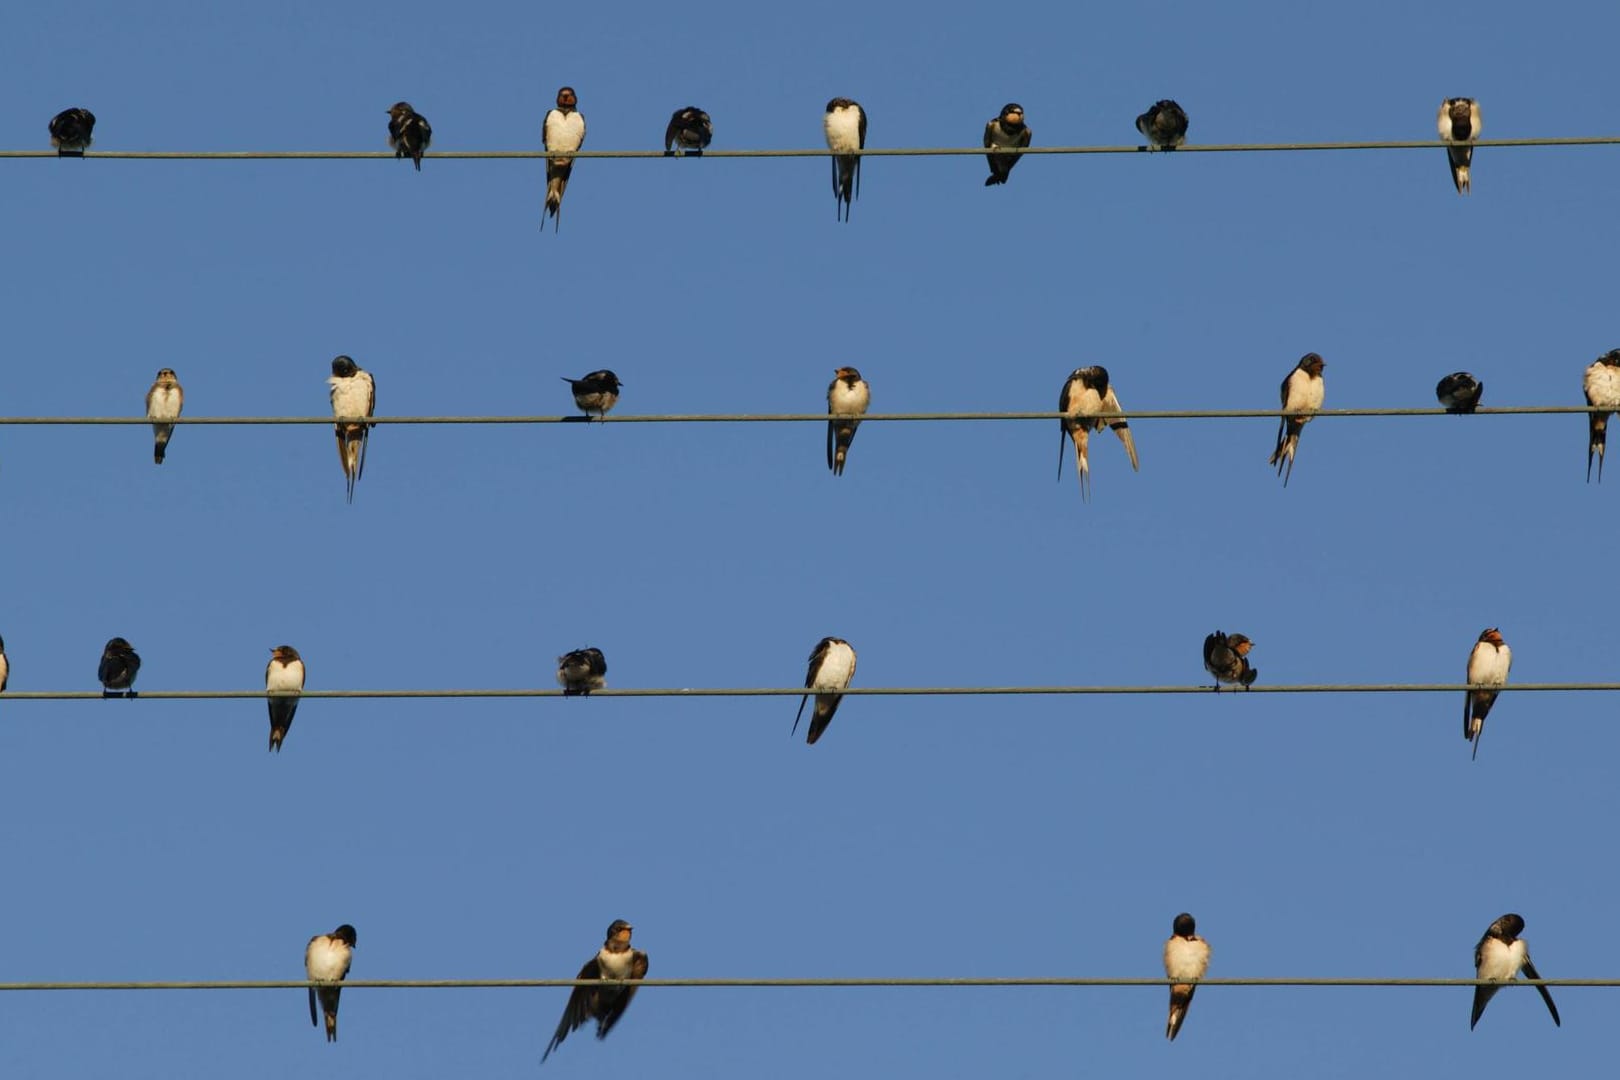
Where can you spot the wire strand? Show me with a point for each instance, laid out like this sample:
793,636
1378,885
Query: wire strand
531,984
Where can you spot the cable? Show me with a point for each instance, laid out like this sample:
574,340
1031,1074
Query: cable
529,984
799,691
933,151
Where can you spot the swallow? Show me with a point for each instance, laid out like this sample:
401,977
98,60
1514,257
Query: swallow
845,127
1459,392
1226,656
1087,393
118,668
1006,130
832,666
1458,123
327,959
1500,955
163,402
1602,386
563,132
581,671
71,132
848,395
409,133
1164,125
5,666
1302,390
1488,665
595,393
688,133
354,394
1186,956
604,1004
284,672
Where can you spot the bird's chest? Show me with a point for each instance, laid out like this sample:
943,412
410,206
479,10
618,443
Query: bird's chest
849,399
615,965
1604,386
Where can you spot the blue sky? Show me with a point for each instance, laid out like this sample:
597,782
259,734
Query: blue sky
1312,836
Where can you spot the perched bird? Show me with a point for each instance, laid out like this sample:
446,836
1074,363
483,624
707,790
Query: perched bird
595,393
5,666
1164,125
1086,393
1459,122
1186,956
1488,665
1226,656
1602,386
284,672
847,394
118,668
163,402
71,132
688,133
581,671
845,127
563,132
327,959
1459,392
832,666
409,133
1500,955
354,395
1006,130
1302,394
604,1004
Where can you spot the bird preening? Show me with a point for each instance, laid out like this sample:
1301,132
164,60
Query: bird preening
409,133
1164,125
832,666
1088,404
688,133
354,397
1459,392
1458,124
595,394
326,960
604,1004
119,665
1226,656
71,132
1500,955
845,128
581,671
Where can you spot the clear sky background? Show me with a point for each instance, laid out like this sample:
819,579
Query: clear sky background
1311,836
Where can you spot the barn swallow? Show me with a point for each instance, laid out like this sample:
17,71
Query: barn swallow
1602,386
847,394
1226,656
563,132
595,393
5,666
845,127
832,666
604,1004
408,132
1006,130
163,402
581,671
354,394
1086,393
1459,392
118,668
1488,665
1302,390
1186,956
688,133
1164,125
1500,955
284,672
71,132
327,959
1459,122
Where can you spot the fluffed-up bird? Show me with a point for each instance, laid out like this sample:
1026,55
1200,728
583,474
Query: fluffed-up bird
1458,122
1500,955
409,133
1007,130
1302,394
71,132
595,394
845,128
581,671
1087,393
118,668
354,396
1226,656
1488,664
847,394
163,402
1459,392
1602,386
688,133
604,1004
1164,125
562,133
327,959
1186,957
832,666
284,673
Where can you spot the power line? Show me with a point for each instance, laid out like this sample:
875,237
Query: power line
814,152
853,691
531,984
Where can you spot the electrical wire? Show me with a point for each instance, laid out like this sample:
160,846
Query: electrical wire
529,984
